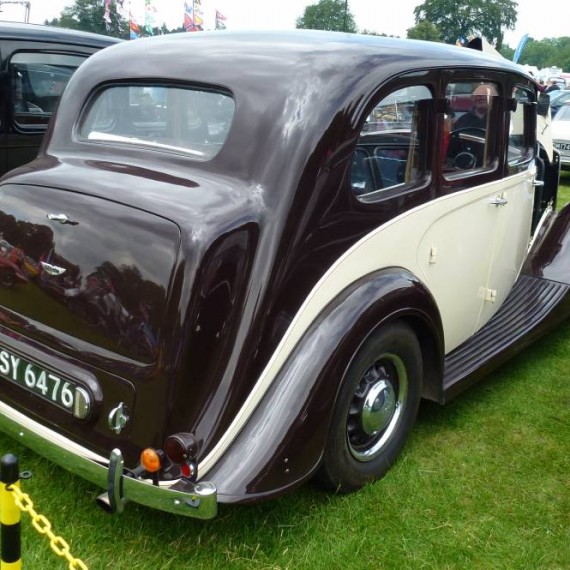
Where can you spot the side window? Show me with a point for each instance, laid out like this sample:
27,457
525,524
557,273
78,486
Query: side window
470,128
391,151
38,80
520,148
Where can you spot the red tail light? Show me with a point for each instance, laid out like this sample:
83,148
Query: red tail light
181,447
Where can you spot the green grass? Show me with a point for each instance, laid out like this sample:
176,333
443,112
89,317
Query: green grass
564,192
483,484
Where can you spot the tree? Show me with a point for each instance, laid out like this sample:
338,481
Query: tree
366,32
425,31
87,15
332,15
507,52
462,18
547,52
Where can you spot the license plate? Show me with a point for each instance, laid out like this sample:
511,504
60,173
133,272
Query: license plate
562,146
47,385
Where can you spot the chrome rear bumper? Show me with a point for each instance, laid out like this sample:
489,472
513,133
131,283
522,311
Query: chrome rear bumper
182,497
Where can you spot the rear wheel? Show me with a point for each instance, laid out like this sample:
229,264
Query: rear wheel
376,409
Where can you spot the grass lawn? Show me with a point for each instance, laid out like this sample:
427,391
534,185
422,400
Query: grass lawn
564,193
482,484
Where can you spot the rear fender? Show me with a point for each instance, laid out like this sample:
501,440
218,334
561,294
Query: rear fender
282,443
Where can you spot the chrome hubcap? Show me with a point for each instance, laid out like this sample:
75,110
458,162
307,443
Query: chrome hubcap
376,407
379,407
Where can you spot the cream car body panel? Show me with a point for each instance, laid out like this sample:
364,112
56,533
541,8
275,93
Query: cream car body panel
448,230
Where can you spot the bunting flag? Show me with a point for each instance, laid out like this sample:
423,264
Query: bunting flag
149,17
122,12
198,15
107,15
134,29
220,21
189,25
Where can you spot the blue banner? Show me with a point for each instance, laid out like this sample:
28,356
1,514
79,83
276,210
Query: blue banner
520,48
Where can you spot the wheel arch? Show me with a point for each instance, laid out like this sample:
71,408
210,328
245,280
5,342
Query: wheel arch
432,356
281,444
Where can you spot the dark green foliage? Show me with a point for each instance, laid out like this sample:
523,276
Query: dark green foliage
462,18
331,15
548,52
425,30
87,15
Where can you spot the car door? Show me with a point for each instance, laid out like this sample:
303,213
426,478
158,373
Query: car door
446,239
513,202
477,248
456,251
466,233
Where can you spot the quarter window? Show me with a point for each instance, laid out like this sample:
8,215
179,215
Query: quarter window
390,152
165,118
519,149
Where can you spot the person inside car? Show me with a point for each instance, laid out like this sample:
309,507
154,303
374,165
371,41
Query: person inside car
477,116
467,139
552,86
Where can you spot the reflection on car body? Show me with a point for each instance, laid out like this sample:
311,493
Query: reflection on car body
250,270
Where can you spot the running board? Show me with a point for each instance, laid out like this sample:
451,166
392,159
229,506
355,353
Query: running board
529,311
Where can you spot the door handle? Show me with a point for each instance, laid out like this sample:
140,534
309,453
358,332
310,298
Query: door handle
499,201
537,183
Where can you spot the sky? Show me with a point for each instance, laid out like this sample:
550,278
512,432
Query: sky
391,17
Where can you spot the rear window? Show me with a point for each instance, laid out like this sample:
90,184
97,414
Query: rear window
187,121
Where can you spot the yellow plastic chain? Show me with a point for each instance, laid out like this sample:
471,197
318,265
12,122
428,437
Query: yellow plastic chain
43,526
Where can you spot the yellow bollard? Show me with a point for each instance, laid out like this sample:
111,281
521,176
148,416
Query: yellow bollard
9,515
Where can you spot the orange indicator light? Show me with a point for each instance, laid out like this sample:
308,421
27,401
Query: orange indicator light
150,460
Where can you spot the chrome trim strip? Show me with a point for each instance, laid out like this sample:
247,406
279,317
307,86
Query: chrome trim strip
545,215
180,496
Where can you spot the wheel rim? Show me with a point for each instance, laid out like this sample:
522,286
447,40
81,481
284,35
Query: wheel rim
376,407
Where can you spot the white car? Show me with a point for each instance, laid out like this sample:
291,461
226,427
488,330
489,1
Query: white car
561,134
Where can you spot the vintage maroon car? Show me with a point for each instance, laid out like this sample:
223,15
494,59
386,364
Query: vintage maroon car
255,253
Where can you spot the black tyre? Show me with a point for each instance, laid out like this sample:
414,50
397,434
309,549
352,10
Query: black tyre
375,410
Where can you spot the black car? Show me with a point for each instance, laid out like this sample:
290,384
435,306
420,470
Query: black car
36,62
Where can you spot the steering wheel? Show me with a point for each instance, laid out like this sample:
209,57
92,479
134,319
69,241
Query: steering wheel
467,157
